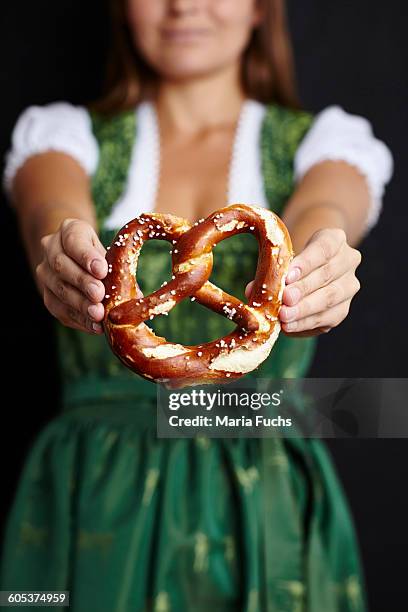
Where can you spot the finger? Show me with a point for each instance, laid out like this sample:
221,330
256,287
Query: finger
68,316
45,241
69,295
339,265
78,239
320,322
97,243
323,245
69,271
96,312
323,299
248,289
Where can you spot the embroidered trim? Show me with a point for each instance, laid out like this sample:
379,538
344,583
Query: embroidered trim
245,182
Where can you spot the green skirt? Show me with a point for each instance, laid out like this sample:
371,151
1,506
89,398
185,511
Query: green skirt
129,522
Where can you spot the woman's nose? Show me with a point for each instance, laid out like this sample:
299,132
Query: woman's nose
182,7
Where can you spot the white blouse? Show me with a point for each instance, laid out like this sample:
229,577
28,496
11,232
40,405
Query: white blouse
334,135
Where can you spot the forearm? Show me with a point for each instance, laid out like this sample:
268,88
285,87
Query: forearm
302,226
48,189
332,194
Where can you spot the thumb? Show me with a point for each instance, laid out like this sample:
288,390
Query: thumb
80,242
97,243
248,289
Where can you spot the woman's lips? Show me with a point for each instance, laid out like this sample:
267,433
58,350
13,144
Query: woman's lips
183,36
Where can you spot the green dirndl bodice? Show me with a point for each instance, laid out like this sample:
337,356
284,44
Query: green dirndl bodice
127,521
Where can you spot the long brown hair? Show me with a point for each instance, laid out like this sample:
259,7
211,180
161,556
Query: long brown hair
267,67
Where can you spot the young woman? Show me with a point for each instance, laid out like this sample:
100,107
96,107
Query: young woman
200,112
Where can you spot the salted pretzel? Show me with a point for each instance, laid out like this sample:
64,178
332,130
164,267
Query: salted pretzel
257,324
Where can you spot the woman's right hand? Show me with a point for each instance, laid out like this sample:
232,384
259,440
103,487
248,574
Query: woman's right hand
69,275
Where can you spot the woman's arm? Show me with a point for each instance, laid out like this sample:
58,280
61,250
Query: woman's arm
326,218
331,194
57,221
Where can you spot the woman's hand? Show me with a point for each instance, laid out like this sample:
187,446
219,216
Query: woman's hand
69,275
320,285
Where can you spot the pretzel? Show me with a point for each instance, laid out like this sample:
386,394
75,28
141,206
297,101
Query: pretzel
257,324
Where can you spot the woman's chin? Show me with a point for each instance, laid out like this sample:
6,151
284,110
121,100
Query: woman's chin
182,72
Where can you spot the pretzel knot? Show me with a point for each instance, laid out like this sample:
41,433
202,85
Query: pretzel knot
257,324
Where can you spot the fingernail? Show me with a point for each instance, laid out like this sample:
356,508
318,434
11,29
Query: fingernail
97,267
93,311
96,327
293,275
293,293
291,313
291,326
93,291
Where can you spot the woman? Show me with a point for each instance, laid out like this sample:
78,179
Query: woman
200,111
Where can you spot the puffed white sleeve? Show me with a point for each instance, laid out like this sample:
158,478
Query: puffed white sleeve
59,126
339,136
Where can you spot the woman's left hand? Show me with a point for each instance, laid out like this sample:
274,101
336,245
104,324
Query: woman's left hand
320,285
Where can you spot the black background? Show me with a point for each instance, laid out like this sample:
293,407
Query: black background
350,53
